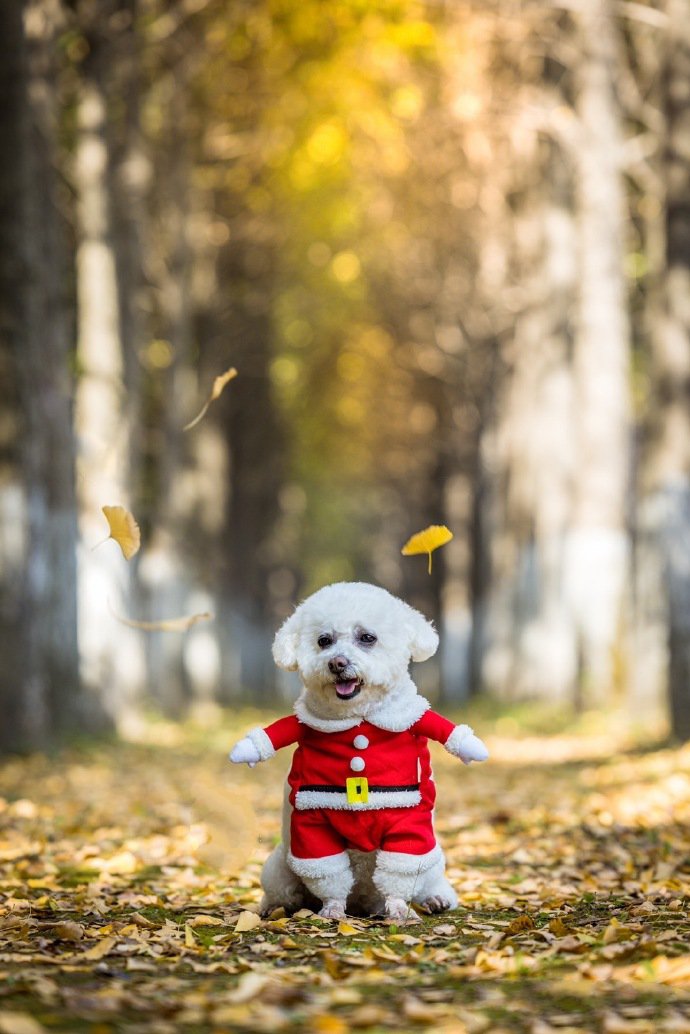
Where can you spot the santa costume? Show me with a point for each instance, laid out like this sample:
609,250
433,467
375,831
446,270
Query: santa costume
362,784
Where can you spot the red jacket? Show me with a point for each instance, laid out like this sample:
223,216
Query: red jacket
361,768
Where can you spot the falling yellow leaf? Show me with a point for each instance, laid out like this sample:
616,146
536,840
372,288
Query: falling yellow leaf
247,921
216,391
427,541
124,529
166,625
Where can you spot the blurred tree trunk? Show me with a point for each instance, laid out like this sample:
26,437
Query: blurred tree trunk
174,490
597,553
130,177
257,451
111,653
670,460
39,688
532,651
529,648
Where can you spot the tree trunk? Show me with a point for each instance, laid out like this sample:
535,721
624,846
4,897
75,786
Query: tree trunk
40,682
112,662
257,472
530,651
597,549
670,460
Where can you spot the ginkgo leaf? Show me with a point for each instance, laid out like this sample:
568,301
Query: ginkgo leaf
247,921
166,625
216,391
124,529
427,541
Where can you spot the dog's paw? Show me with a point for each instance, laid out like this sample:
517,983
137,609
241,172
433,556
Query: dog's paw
436,903
332,910
399,911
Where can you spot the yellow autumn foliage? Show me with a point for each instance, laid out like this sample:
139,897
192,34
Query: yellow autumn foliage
123,529
427,541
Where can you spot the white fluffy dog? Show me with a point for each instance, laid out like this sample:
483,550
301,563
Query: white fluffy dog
357,823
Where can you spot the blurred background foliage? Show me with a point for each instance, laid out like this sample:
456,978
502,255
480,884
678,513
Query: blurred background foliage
447,247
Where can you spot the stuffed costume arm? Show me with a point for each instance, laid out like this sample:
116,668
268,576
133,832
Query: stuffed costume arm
458,740
261,744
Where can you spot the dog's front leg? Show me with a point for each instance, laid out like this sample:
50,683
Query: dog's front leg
329,879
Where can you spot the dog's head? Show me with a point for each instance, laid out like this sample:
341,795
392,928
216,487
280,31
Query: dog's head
352,643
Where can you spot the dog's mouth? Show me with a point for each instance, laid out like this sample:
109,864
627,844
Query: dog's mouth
347,689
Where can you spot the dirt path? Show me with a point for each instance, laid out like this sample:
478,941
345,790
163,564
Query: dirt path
118,914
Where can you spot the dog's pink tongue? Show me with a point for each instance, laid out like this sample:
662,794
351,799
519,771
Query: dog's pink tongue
345,689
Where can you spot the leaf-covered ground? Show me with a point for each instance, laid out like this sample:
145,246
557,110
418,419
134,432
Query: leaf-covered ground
129,887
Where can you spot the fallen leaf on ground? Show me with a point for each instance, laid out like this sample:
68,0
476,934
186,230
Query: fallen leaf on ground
19,1023
247,921
519,925
100,950
202,920
67,931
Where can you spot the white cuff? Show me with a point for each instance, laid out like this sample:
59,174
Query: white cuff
400,862
454,742
313,868
262,743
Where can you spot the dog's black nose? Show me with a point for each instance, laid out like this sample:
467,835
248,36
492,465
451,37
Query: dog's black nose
338,664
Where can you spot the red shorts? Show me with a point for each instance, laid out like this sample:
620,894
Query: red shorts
317,833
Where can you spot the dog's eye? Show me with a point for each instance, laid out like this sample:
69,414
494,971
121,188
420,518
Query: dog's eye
367,638
324,641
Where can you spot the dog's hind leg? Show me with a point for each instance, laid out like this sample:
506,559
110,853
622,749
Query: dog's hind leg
400,877
433,892
282,887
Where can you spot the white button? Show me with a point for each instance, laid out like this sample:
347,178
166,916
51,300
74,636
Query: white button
357,765
360,742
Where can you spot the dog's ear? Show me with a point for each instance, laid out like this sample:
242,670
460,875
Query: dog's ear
285,644
423,636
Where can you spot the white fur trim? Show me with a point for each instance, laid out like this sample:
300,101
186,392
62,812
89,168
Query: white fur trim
301,709
454,742
400,862
313,868
305,800
262,743
398,712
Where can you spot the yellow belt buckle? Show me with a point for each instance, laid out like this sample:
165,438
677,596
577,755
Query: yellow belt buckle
357,790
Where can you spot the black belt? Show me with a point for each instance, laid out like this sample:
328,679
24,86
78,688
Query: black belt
372,789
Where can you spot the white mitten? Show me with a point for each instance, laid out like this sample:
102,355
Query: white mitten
245,753
465,745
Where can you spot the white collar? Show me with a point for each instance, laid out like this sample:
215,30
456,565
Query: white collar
398,711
